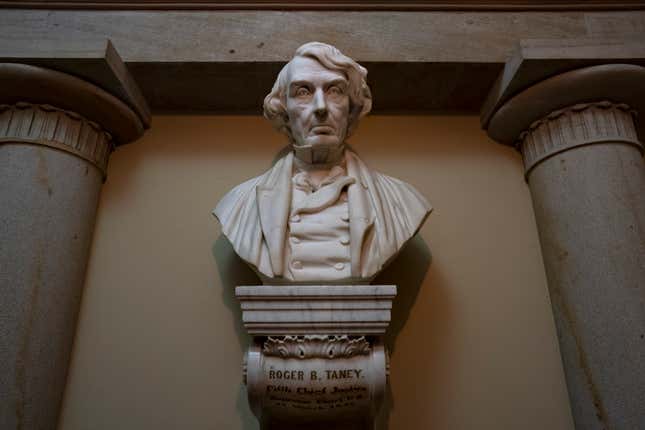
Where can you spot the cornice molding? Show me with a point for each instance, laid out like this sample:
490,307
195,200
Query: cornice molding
306,310
418,5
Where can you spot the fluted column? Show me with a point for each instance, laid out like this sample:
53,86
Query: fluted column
584,166
53,162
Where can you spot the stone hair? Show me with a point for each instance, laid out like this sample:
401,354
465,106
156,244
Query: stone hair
360,96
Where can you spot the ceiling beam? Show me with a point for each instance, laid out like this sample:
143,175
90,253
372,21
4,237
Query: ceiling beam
225,62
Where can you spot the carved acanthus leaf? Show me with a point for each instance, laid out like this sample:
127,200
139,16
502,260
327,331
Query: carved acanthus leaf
316,346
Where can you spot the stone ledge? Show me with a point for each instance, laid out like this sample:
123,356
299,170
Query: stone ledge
93,60
225,62
316,309
534,60
333,5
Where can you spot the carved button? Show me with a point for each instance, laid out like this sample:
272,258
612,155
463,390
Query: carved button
295,218
296,264
295,239
344,217
344,240
339,266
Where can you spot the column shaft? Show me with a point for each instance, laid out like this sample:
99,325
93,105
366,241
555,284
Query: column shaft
587,180
53,165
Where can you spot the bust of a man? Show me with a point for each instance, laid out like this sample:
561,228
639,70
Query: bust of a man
319,215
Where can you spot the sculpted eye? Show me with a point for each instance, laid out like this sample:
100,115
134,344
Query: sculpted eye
302,92
335,89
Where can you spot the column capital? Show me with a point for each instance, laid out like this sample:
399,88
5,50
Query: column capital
41,106
597,104
574,126
56,128
22,83
542,76
620,84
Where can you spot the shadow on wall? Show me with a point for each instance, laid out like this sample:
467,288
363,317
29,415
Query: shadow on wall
233,272
407,272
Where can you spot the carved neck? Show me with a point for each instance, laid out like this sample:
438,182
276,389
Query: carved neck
319,157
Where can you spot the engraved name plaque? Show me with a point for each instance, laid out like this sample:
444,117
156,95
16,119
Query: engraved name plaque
316,378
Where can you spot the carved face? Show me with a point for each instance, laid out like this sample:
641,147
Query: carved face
317,104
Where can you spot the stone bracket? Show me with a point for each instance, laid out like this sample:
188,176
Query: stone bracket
317,355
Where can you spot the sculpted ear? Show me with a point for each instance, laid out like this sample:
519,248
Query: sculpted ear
359,110
356,113
275,111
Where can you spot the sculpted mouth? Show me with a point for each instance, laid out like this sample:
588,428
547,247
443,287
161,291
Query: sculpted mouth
322,129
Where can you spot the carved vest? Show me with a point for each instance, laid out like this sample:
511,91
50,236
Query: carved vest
318,229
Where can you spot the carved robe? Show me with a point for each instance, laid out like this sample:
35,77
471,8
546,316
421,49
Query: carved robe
384,213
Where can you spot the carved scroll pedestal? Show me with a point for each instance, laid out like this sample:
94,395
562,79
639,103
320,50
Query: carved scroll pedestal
317,357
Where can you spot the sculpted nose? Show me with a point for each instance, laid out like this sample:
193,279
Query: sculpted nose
320,104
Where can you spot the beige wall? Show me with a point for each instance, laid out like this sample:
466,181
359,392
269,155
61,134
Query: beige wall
160,343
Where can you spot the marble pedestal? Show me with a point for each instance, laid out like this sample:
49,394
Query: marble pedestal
317,357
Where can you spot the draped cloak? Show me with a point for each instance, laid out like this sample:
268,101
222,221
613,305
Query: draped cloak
384,213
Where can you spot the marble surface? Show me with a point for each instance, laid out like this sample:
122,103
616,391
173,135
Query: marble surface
320,215
316,309
311,360
344,391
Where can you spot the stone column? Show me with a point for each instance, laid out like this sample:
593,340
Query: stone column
583,162
56,134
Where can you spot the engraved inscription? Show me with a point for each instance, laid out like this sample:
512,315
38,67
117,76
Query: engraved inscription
320,389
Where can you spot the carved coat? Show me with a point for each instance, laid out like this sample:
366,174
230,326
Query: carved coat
384,213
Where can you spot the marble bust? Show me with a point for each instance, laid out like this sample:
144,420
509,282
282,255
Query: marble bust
320,215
